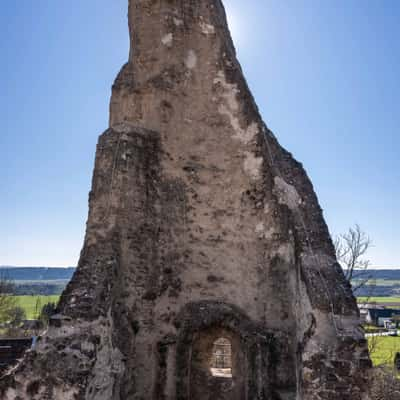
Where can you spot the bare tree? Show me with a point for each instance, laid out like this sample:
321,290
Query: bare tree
373,344
7,300
351,248
38,307
17,317
47,311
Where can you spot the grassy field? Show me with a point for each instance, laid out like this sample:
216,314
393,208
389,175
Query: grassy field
383,349
28,303
379,299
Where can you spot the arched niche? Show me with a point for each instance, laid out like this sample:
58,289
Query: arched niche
211,375
254,354
221,357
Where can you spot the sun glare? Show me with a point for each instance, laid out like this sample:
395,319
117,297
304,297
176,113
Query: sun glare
234,24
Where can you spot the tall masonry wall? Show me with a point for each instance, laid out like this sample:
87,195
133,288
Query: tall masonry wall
201,226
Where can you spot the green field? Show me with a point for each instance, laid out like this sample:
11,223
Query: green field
28,303
378,299
383,349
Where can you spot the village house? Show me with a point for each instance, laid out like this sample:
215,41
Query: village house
11,350
382,317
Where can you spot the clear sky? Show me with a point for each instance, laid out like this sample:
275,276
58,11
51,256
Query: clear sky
325,75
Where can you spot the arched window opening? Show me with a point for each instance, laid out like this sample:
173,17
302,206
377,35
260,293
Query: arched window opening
221,359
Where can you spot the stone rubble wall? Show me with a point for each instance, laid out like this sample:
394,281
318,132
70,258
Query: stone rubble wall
199,223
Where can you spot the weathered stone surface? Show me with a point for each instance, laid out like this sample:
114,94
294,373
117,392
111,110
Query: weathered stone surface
200,226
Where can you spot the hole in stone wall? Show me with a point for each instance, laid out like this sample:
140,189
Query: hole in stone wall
221,358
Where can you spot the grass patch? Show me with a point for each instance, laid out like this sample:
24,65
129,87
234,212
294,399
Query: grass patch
378,299
28,303
383,349
373,329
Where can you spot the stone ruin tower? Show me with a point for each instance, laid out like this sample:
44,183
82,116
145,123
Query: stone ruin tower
207,271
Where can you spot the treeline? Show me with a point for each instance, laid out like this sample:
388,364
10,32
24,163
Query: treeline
387,274
380,282
38,289
379,290
36,273
37,281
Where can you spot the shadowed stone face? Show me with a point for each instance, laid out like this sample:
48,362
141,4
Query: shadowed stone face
200,226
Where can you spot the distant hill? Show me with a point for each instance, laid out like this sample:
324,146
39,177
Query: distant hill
52,281
387,274
382,283
52,273
36,273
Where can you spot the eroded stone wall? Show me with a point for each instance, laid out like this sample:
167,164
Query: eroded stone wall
199,223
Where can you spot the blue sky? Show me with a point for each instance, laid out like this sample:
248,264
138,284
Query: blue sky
325,75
